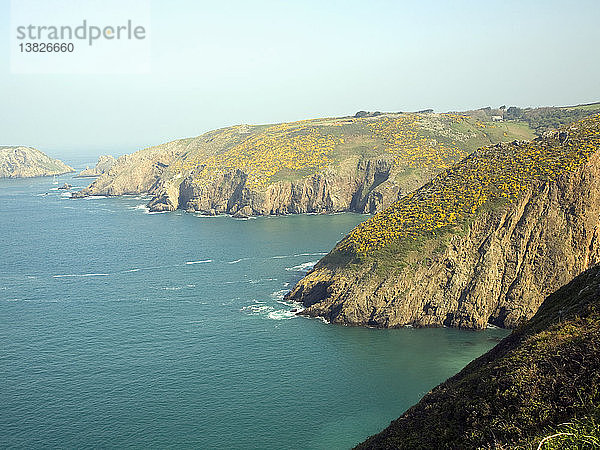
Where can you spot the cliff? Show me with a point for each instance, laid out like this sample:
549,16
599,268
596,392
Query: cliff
482,243
105,162
539,385
358,164
26,162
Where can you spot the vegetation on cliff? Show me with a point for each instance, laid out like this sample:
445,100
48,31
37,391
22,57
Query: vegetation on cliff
291,151
539,385
545,119
488,176
483,242
26,162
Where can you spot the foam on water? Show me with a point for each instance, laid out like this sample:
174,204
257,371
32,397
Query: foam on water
281,314
296,255
244,218
208,216
76,275
189,263
270,311
304,267
237,260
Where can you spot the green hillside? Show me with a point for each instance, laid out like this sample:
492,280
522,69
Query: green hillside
292,151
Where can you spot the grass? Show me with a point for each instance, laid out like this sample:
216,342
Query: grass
577,434
586,107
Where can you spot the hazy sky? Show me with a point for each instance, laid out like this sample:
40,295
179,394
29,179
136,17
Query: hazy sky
223,62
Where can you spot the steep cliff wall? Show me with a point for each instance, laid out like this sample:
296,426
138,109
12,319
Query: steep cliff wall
482,243
26,162
363,185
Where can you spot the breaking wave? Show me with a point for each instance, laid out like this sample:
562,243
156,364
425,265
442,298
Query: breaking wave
304,267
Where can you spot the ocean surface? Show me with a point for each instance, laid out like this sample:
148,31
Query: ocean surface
120,328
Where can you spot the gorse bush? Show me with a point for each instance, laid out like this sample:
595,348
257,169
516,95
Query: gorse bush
266,154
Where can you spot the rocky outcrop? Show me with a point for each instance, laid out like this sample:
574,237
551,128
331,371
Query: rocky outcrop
132,174
105,162
525,391
496,268
26,162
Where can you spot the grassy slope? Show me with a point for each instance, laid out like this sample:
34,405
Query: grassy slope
544,374
486,179
421,143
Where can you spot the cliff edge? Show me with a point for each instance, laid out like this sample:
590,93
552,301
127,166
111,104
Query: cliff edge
105,162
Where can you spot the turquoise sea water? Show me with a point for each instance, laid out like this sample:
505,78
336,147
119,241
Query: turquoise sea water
120,328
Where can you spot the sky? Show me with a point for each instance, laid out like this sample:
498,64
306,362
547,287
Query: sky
220,63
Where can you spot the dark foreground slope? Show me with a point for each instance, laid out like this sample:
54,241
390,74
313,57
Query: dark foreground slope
483,242
544,374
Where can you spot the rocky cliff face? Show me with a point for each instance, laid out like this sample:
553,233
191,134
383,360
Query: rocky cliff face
26,162
517,395
492,264
322,165
362,185
105,162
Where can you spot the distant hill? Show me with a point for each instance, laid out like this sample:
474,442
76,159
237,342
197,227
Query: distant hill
25,162
483,242
539,385
362,163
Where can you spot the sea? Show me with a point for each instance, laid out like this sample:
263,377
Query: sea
121,328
